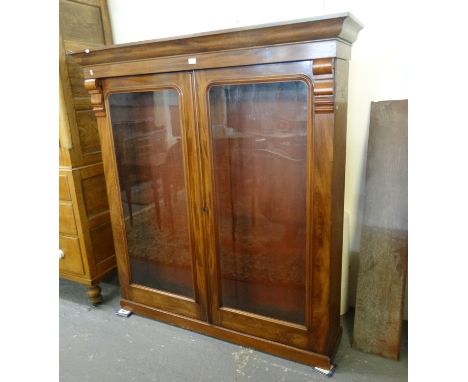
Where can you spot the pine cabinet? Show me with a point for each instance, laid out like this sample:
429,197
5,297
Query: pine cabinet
85,234
224,157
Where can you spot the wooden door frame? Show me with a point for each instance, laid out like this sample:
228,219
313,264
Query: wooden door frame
253,324
195,308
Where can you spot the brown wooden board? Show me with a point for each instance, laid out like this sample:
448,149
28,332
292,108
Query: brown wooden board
384,240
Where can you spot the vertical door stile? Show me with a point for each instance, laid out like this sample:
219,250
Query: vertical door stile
310,202
207,206
199,197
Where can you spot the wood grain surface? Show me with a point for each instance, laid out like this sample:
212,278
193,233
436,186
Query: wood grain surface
384,240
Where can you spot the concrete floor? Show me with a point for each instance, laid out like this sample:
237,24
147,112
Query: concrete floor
98,346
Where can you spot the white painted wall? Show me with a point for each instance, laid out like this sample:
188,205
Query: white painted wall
377,69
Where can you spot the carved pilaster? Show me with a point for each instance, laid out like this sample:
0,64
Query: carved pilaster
93,86
324,97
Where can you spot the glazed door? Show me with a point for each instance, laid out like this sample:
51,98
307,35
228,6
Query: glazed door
155,158
256,123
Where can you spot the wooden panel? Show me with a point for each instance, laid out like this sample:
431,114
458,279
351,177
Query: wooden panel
102,242
82,103
94,193
87,129
64,189
65,117
322,168
72,261
338,187
273,54
67,223
95,220
265,327
69,139
106,23
165,301
380,292
384,240
82,25
80,22
271,347
75,74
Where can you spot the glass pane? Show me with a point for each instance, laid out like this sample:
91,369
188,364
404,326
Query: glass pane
260,146
148,146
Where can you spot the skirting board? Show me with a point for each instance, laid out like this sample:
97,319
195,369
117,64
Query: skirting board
284,351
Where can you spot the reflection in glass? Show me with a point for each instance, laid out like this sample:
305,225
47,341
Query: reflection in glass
259,134
148,147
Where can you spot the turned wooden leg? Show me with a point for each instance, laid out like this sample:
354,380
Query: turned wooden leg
94,294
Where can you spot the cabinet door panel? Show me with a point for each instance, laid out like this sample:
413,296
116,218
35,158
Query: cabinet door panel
257,123
154,144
